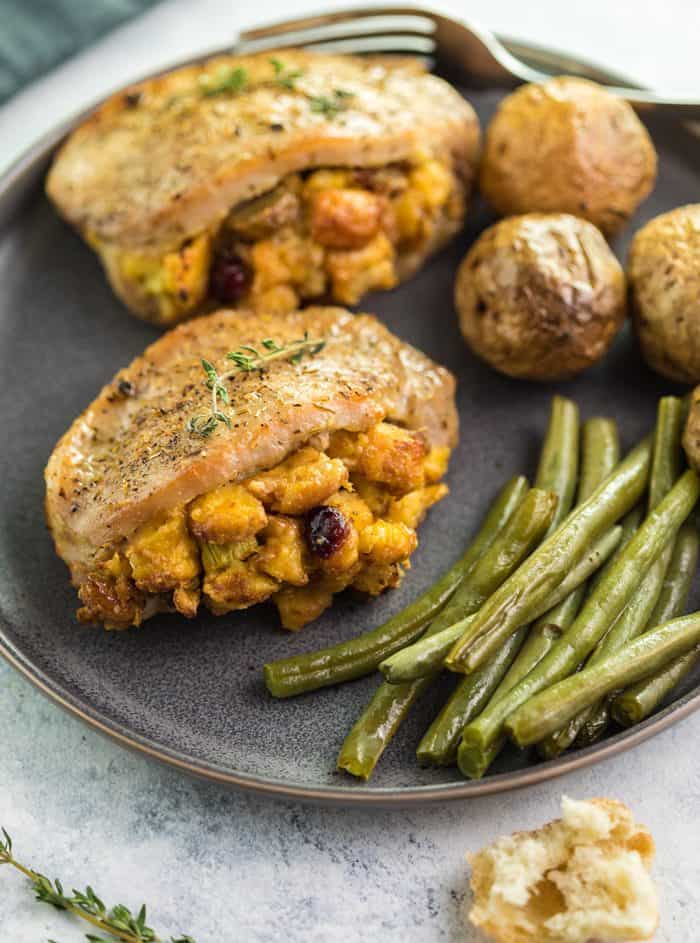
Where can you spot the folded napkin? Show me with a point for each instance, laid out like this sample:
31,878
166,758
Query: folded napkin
36,35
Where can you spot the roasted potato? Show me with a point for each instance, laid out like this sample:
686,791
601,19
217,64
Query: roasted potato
567,146
540,296
664,276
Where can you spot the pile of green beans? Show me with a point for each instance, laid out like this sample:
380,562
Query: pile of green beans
555,620
549,709
428,653
516,602
638,701
665,467
599,455
598,614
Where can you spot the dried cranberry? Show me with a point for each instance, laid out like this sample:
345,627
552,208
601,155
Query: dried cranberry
328,530
229,277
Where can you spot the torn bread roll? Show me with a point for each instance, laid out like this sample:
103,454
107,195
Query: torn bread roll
584,877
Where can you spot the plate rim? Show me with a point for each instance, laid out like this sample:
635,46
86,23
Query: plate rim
356,794
15,184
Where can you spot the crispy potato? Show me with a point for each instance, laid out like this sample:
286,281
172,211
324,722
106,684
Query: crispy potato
540,296
570,146
664,275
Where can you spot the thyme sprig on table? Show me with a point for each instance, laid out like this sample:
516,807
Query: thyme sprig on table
245,360
118,921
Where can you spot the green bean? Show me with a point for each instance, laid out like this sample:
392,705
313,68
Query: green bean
360,656
596,724
631,621
600,451
555,744
600,455
640,700
666,457
374,729
635,618
474,760
523,531
628,625
551,708
558,466
438,746
598,613
557,472
679,576
428,653
515,603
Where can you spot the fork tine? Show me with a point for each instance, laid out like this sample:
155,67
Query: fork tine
379,45
322,21
405,41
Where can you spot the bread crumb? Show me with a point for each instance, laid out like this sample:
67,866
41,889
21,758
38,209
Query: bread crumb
581,878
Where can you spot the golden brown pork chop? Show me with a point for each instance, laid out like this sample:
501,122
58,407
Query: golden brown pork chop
152,177
131,455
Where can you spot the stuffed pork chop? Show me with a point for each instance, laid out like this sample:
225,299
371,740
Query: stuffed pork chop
246,457
261,182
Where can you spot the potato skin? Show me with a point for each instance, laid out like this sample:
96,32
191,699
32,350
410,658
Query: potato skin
540,296
567,146
664,276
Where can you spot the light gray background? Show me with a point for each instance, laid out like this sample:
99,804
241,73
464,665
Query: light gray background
228,867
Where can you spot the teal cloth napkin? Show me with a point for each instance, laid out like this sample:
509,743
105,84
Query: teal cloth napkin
36,35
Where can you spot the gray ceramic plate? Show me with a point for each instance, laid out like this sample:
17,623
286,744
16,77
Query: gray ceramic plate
191,694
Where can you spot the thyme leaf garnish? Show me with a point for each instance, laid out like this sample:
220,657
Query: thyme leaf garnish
284,77
245,360
118,922
331,106
225,80
233,81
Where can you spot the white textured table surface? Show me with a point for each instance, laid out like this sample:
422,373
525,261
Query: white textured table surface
228,867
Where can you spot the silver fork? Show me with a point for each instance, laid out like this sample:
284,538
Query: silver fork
462,51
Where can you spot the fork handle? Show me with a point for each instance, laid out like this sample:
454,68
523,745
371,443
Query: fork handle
685,108
550,62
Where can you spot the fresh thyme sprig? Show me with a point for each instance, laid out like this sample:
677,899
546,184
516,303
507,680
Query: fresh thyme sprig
285,77
225,80
234,81
331,106
246,359
118,921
